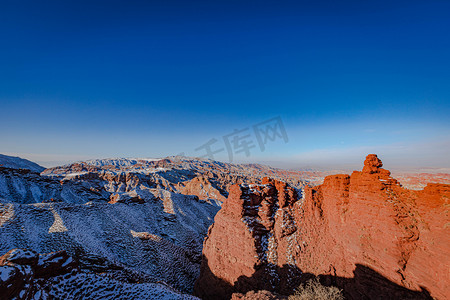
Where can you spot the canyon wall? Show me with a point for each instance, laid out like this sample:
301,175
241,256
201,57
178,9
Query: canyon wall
362,232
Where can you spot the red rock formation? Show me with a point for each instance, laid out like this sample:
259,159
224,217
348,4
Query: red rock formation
201,187
369,219
129,197
364,233
241,249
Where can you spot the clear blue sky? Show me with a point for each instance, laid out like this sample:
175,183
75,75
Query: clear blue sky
84,79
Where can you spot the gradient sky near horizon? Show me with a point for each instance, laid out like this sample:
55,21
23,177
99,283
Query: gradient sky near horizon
95,79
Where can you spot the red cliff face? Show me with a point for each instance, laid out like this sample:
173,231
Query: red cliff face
363,233
201,187
241,250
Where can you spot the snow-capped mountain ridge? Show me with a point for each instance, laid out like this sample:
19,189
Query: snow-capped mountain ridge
117,162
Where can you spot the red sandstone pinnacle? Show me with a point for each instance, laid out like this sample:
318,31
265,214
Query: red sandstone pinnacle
372,164
364,233
240,252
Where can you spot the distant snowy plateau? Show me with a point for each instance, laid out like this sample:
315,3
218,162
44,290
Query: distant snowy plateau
121,228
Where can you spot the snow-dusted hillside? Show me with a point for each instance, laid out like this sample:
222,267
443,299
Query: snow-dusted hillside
24,186
167,230
91,286
19,163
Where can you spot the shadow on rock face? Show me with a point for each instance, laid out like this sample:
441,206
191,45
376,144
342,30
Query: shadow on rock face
365,284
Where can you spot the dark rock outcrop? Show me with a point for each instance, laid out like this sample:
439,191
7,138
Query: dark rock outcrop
27,275
23,272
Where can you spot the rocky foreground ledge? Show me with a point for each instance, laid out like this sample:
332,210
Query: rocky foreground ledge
25,274
363,232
